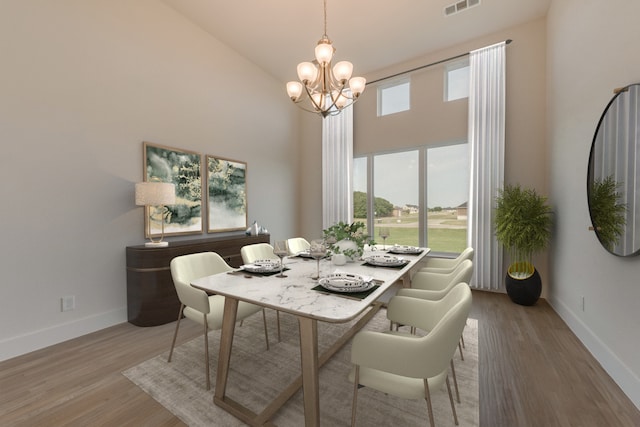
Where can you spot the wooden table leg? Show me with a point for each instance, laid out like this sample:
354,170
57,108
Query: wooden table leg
310,378
226,341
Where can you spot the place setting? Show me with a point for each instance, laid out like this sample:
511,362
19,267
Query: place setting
269,267
347,285
389,261
405,250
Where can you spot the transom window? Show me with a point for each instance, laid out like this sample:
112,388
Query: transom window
456,81
394,97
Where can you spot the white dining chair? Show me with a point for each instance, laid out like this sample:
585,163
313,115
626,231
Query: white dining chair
434,286
196,305
410,366
252,253
446,265
297,245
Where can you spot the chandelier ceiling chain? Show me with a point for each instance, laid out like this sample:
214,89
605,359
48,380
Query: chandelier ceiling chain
324,89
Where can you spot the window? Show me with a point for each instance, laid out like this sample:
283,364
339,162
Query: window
447,172
456,81
395,187
394,98
419,195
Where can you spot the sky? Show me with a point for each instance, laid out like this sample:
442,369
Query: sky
396,176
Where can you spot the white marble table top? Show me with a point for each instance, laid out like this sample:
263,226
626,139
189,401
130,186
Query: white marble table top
294,294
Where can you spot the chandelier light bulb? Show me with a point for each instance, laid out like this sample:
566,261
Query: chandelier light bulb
356,84
307,72
342,71
324,52
341,101
294,89
318,100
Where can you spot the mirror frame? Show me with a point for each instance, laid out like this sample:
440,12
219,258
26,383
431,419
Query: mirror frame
635,250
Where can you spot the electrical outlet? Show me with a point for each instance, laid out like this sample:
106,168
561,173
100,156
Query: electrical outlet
68,303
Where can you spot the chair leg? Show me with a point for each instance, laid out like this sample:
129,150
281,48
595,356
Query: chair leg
278,320
455,381
175,334
206,351
460,348
354,404
427,397
266,333
453,406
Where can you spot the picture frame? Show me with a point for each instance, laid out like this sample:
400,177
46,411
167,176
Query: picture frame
226,194
184,169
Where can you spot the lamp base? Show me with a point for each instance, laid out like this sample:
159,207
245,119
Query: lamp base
156,244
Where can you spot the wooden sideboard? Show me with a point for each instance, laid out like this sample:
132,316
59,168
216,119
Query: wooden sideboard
151,296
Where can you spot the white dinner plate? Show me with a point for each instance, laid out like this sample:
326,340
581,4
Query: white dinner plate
408,250
385,260
262,266
344,282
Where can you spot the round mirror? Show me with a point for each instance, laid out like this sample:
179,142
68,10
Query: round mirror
614,174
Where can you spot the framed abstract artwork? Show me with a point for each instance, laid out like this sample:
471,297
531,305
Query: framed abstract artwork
226,194
184,169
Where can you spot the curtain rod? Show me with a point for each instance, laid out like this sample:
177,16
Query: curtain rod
426,66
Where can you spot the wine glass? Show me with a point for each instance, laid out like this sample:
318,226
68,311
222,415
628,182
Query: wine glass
318,250
281,250
384,233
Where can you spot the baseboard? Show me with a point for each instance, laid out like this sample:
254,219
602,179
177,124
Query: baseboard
23,344
626,379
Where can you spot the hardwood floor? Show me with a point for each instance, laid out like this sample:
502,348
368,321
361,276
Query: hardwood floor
533,372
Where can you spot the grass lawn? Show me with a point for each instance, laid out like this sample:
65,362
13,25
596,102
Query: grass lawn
404,231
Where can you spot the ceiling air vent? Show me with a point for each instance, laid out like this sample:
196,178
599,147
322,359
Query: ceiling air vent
460,6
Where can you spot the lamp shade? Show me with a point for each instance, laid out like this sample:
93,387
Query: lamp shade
356,84
342,70
294,89
155,193
324,51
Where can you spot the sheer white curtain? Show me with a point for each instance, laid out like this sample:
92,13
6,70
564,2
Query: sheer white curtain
486,139
337,168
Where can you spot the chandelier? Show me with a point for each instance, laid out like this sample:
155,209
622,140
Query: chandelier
327,90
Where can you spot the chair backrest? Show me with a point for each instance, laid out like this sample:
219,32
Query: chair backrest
411,311
443,281
462,272
445,265
434,351
251,253
466,254
186,268
297,245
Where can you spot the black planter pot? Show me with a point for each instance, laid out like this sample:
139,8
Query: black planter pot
524,291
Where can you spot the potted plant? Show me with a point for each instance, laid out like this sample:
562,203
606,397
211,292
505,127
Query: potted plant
523,227
347,239
607,215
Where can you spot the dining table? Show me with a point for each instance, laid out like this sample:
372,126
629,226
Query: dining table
300,294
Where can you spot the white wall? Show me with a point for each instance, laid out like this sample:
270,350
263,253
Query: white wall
592,49
82,85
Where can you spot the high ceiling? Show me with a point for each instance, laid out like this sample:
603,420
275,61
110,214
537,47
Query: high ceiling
278,34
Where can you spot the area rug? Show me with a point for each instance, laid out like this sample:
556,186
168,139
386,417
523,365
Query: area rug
257,376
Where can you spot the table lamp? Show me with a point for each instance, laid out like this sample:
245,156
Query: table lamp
155,194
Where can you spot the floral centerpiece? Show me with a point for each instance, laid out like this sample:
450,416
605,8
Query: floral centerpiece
347,239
